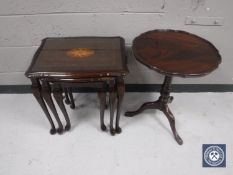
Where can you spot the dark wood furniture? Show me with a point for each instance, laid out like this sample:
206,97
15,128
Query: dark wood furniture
173,53
62,63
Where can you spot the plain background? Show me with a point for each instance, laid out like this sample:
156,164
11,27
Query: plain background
24,23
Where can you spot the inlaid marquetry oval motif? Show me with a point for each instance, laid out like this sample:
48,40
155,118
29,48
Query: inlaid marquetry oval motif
80,53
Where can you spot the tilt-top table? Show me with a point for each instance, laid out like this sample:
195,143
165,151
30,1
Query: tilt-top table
62,63
173,53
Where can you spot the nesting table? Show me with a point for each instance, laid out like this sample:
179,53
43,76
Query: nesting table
173,53
62,63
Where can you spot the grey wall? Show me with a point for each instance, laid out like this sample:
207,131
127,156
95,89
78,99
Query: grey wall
24,23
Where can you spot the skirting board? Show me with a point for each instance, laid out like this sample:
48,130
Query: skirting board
23,89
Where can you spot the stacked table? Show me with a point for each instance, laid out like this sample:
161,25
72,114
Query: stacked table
63,63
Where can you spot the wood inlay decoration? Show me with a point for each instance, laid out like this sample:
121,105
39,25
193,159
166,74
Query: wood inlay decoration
80,53
61,64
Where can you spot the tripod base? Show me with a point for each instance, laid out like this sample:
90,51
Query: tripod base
162,105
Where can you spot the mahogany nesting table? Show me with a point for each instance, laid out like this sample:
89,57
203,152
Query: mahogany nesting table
62,63
173,53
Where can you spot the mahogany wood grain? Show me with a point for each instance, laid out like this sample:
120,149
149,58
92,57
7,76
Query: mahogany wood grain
177,53
46,92
36,91
57,93
64,63
52,59
173,53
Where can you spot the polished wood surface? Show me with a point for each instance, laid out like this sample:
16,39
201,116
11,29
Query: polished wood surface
177,53
37,92
62,63
79,57
173,53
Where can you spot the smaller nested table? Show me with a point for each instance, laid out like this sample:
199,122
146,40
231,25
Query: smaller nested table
173,53
62,63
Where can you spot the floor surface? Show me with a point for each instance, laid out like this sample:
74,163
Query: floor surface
145,147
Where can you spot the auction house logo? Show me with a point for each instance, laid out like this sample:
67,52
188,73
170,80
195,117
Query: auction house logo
214,155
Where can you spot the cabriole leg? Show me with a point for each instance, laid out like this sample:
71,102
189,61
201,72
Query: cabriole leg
112,97
120,95
102,98
57,93
46,91
36,90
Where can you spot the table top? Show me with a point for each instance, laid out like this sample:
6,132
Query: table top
79,57
176,53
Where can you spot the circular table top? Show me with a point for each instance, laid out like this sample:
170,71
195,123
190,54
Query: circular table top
177,53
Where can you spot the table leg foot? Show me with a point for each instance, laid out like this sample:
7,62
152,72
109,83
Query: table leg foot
60,130
67,102
179,140
72,106
103,127
112,131
53,131
67,127
118,130
171,120
57,93
46,92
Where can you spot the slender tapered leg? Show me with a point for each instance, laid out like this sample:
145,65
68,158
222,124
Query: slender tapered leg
72,104
120,95
161,104
67,100
171,120
36,90
102,98
165,99
46,91
57,93
107,101
112,97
